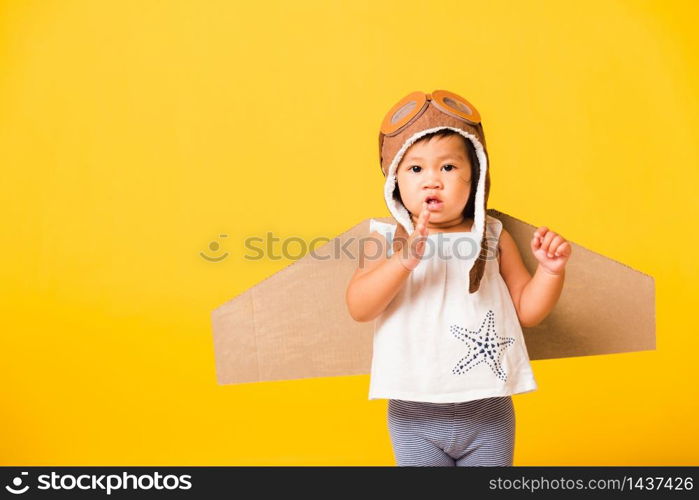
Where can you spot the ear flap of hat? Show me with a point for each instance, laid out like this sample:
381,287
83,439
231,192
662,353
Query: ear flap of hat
480,214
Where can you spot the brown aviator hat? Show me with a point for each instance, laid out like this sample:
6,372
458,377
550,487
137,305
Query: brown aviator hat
419,114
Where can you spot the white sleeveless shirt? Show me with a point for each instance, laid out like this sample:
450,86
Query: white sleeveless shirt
436,342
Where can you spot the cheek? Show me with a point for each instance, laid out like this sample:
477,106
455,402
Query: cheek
400,178
404,181
460,188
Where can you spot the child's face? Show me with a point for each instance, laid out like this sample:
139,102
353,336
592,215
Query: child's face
438,167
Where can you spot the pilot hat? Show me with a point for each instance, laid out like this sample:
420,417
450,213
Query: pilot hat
415,116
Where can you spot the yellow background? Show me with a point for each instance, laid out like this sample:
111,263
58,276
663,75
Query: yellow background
134,133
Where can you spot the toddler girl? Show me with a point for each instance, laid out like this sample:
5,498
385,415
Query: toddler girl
448,291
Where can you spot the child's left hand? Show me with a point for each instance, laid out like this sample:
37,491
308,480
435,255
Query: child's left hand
551,250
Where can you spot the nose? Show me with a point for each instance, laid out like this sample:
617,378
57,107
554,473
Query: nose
432,181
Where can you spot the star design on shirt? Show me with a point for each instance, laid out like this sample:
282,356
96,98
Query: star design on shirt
484,346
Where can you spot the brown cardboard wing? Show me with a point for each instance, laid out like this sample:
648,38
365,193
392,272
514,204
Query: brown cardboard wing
295,323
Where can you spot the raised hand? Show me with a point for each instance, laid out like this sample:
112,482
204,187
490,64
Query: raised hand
414,247
551,250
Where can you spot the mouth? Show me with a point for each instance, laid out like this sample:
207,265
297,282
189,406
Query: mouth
434,202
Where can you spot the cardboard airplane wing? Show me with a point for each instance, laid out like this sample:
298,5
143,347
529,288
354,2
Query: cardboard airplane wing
295,323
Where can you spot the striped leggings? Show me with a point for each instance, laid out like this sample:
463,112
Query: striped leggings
471,433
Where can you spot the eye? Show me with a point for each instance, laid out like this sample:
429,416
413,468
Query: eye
414,166
450,165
